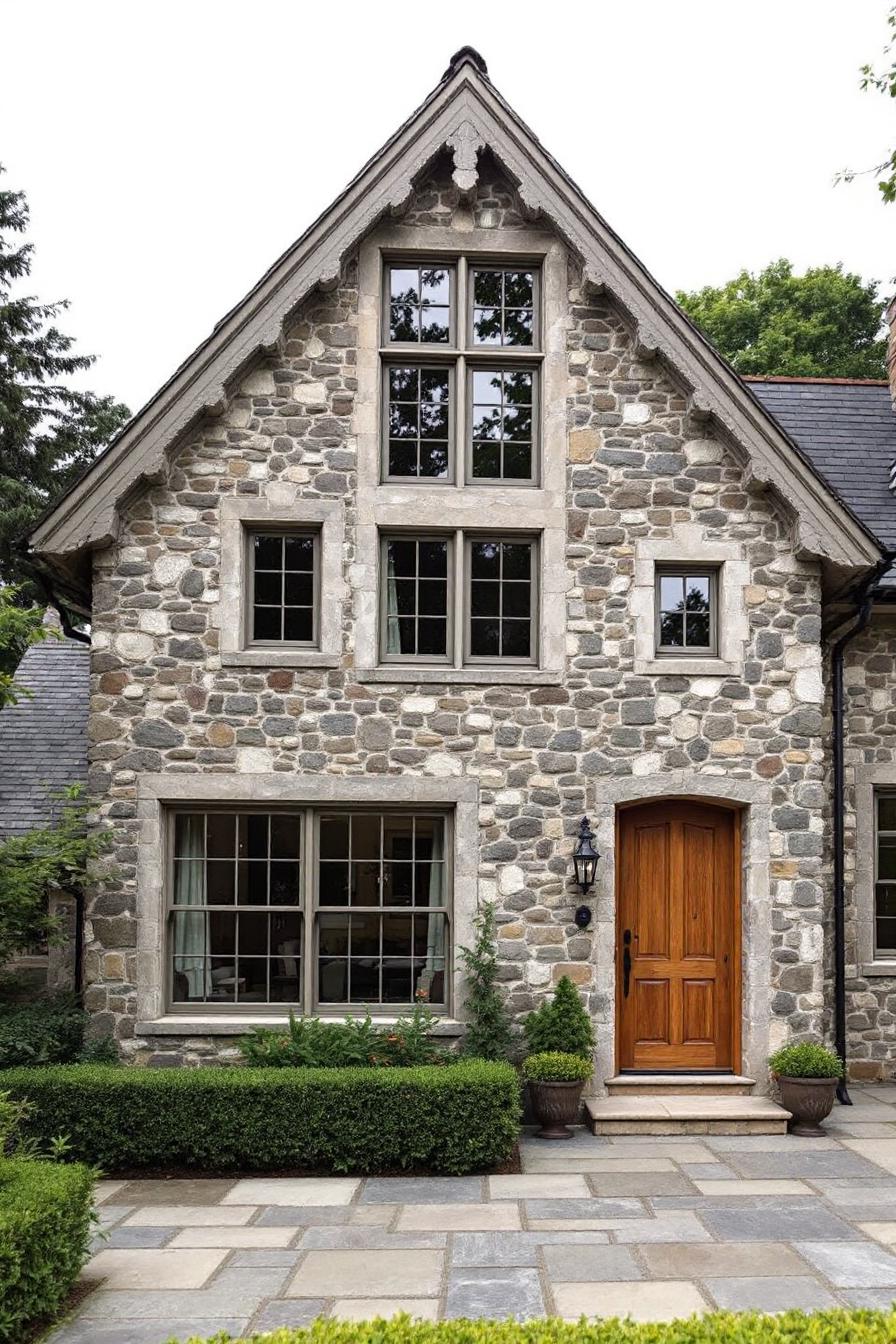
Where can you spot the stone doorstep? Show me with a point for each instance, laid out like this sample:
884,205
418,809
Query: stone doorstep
679,1085
685,1115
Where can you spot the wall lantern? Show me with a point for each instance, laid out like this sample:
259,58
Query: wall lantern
584,858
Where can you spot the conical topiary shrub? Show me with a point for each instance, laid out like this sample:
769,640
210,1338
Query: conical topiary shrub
561,1023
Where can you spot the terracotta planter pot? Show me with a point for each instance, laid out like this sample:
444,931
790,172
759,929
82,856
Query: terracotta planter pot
556,1106
809,1100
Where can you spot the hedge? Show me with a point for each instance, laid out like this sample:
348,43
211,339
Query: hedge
46,1031
791,1327
45,1223
456,1118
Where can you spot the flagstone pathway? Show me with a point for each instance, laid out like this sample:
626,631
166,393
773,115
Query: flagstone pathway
652,1227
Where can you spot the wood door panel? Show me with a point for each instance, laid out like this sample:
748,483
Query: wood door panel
678,900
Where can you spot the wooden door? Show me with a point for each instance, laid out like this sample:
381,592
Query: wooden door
677,937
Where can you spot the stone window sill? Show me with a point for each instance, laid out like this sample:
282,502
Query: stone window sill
189,1025
279,658
462,676
880,968
689,667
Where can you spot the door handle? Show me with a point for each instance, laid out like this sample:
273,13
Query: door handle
626,961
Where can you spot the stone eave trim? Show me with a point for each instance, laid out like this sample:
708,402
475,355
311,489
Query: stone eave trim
463,105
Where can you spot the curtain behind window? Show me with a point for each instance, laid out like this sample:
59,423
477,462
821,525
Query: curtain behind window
190,940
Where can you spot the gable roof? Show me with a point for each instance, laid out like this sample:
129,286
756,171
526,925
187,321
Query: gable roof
465,113
847,428
43,741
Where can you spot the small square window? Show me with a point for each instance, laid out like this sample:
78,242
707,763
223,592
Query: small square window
503,307
283,568
420,302
686,611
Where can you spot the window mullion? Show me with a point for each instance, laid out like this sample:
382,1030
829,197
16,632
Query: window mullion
460,421
308,908
459,602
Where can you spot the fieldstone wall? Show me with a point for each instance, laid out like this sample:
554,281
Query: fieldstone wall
637,468
870,688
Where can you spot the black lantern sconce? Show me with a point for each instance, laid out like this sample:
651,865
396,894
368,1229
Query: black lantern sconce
584,858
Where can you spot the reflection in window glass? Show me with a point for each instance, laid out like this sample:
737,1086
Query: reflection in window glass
503,307
885,884
418,422
420,304
500,599
685,611
502,424
416,597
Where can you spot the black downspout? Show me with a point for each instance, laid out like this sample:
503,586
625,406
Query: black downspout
863,600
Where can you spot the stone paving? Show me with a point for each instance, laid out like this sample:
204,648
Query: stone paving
652,1227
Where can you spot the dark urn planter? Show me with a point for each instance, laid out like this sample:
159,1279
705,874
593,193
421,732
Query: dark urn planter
556,1106
809,1100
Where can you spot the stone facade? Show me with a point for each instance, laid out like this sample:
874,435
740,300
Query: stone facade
638,469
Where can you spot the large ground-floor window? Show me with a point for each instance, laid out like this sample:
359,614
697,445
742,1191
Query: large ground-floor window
312,908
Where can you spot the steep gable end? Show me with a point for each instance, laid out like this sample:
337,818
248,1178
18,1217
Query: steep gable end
466,117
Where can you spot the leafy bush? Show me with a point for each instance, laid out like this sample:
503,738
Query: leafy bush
46,1213
805,1061
791,1327
450,1119
47,1031
355,1043
561,1024
488,1034
553,1066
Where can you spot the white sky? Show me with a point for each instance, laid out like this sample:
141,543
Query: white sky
171,149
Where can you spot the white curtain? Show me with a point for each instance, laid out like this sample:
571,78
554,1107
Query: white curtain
190,929
393,637
435,924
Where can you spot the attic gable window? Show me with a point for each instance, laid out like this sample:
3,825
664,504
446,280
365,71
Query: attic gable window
463,407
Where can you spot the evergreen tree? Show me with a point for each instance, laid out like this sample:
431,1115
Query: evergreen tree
561,1024
49,432
488,1033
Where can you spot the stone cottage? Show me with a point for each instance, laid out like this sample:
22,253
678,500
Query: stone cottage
453,532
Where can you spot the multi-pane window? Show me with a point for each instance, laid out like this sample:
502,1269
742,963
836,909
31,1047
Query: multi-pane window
418,421
283,587
686,611
308,908
235,923
382,894
462,406
497,580
885,876
416,572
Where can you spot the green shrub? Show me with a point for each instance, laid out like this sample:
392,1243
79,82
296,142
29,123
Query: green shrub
46,1031
805,1061
561,1024
553,1066
451,1119
308,1043
46,1213
791,1327
488,1034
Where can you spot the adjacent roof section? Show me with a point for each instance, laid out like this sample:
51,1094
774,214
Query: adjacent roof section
848,431
43,741
466,114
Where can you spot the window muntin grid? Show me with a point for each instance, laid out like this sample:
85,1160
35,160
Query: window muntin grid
420,304
382,923
415,605
885,875
502,424
283,584
500,599
503,306
418,421
686,617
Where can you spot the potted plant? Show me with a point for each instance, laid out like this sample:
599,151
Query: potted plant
807,1076
555,1083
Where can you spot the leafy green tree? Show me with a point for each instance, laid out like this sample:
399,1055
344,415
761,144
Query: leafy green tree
881,81
20,627
49,432
824,324
561,1024
488,1034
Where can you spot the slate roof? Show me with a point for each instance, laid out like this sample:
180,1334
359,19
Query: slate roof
847,429
43,741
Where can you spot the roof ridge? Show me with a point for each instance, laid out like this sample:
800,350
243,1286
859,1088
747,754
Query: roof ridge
785,378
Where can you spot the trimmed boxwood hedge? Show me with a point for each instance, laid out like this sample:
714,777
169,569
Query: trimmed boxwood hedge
791,1327
46,1213
454,1118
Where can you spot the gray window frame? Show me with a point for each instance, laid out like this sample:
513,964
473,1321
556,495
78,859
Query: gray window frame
487,264
477,365
880,953
308,909
424,659
250,532
480,660
388,363
420,262
673,571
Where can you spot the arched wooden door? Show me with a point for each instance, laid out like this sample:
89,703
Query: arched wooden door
678,996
